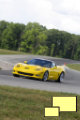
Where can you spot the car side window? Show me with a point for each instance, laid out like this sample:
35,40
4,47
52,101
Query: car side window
53,65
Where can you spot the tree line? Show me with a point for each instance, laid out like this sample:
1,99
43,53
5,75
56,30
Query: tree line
37,39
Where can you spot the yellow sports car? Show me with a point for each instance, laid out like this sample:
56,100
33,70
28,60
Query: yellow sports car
39,68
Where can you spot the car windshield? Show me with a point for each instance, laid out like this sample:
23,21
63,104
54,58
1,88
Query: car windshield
43,63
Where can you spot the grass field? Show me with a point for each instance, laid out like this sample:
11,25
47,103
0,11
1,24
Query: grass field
4,52
74,66
25,104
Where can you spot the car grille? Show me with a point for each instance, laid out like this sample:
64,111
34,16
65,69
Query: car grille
30,74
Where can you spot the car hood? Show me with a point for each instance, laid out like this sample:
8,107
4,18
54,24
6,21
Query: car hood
27,66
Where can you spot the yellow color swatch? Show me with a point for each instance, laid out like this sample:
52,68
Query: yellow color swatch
65,103
52,111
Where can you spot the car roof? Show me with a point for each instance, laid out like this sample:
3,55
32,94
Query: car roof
44,59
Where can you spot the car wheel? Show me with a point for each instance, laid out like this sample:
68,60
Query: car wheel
15,75
45,77
61,77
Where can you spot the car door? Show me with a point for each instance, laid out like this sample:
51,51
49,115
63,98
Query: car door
53,72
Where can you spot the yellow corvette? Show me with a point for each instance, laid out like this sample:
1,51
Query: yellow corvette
39,68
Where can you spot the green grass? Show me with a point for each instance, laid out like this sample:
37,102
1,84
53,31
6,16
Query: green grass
7,52
74,66
25,104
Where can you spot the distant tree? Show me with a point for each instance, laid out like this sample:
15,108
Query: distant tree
55,42
70,46
77,48
52,50
34,39
11,36
35,25
3,26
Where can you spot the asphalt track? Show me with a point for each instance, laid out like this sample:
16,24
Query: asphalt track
71,83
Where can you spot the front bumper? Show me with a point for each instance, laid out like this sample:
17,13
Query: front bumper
37,74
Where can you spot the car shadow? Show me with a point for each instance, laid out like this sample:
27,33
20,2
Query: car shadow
35,79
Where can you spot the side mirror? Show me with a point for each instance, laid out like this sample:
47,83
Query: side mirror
54,66
25,62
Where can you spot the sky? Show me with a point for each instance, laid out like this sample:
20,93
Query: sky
54,14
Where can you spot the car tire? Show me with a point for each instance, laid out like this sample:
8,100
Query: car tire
61,77
15,75
45,76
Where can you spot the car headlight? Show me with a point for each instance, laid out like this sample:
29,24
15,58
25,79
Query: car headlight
17,65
